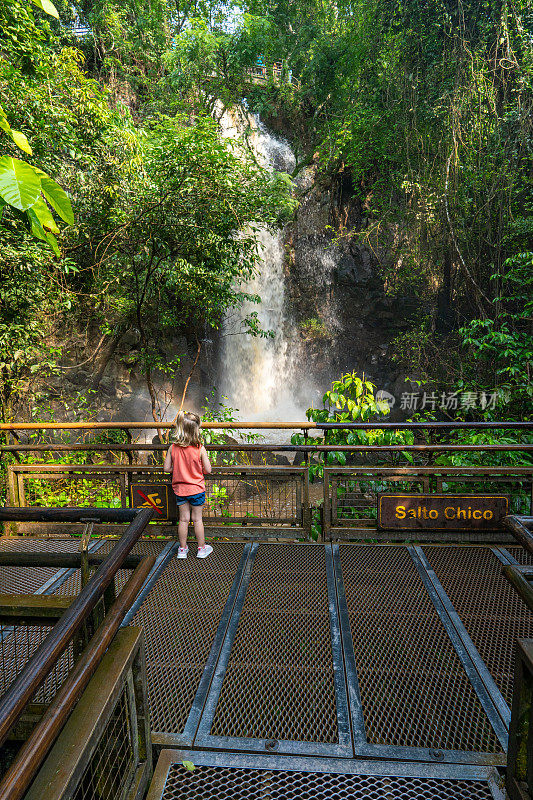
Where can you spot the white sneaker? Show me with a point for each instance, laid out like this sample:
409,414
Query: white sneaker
182,552
203,552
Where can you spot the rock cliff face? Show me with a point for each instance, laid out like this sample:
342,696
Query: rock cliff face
346,318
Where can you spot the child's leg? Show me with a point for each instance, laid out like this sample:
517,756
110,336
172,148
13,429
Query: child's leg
196,512
183,524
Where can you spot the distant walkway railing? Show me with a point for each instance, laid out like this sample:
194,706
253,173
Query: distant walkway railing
519,774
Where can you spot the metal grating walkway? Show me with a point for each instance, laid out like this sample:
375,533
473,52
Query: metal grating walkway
345,653
181,615
279,679
231,776
32,579
492,613
415,691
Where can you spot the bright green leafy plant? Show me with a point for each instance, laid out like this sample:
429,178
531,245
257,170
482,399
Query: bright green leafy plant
350,399
27,188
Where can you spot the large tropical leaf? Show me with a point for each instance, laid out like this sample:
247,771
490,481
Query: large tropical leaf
18,137
20,185
44,216
57,199
40,233
47,7
4,124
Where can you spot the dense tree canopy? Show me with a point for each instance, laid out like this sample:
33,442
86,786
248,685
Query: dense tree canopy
420,111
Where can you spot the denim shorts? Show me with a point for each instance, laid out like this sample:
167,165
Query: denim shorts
193,499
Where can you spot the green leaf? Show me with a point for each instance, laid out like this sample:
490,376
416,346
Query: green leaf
52,241
189,766
40,233
47,7
20,185
57,199
44,216
21,141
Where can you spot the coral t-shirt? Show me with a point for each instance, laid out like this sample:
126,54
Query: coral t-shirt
187,470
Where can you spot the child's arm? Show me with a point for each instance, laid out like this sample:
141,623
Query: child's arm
206,464
167,466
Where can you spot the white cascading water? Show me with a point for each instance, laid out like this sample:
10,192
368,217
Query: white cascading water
260,377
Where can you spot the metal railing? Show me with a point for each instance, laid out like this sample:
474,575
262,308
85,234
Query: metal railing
258,500
256,490
351,494
278,426
56,668
521,527
104,750
519,775
521,576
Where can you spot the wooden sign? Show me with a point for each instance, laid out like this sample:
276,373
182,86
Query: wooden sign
158,496
441,512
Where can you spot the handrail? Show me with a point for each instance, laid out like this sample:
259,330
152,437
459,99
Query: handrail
18,558
521,527
237,425
271,448
32,753
220,471
519,773
73,514
518,578
39,665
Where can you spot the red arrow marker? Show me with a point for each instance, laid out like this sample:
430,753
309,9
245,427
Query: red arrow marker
149,501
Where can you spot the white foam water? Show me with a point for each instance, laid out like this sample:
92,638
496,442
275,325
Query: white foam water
260,376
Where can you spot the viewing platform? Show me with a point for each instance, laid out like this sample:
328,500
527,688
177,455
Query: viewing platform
377,662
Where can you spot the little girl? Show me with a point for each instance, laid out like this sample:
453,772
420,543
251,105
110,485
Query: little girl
188,462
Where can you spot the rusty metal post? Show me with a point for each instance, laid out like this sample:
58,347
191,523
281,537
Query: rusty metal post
140,683
306,443
84,551
520,752
20,490
326,527
12,496
306,509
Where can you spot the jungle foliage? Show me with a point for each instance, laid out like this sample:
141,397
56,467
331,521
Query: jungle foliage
420,111
166,210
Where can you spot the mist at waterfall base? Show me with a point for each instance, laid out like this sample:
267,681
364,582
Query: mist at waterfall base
263,377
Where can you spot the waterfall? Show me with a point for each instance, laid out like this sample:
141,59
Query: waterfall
262,377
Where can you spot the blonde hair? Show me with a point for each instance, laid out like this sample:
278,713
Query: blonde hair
186,430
